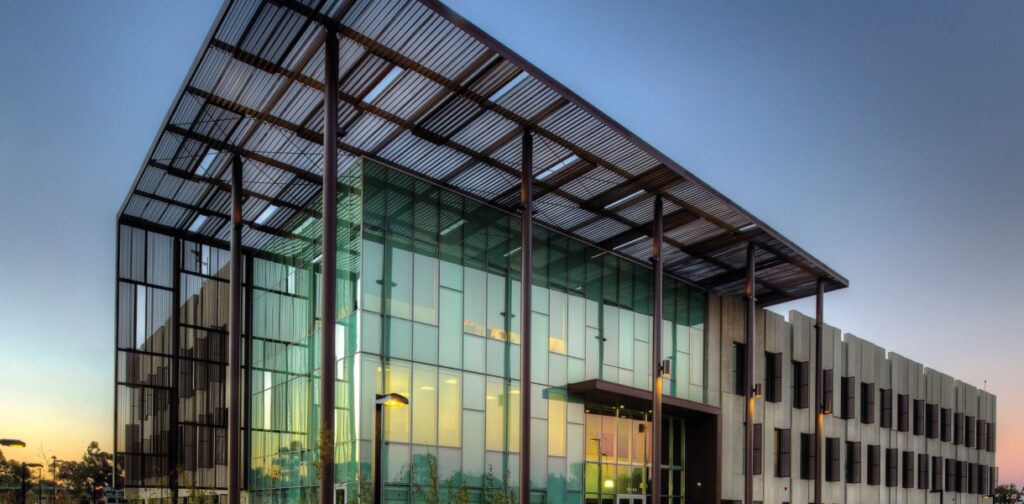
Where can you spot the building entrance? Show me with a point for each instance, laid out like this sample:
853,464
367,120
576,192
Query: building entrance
630,499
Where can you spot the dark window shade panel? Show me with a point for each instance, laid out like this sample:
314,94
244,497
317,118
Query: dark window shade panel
969,425
958,428
808,466
832,459
867,403
991,444
903,413
983,480
922,471
827,394
993,478
919,422
932,421
874,464
885,420
847,389
951,476
758,448
801,384
972,478
936,474
739,377
961,475
891,466
946,416
853,466
982,443
782,453
908,469
773,377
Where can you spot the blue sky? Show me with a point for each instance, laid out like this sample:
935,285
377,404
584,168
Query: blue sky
883,137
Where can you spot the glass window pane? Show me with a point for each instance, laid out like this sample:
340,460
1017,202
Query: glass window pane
396,422
426,284
496,402
400,286
450,329
424,405
424,343
495,306
449,404
556,424
476,304
557,326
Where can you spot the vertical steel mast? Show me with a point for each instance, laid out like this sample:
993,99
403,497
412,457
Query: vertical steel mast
656,364
329,269
525,311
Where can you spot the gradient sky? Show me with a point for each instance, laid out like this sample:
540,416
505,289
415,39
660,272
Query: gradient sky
886,138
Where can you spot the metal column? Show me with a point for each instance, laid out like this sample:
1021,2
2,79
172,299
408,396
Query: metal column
329,269
748,378
173,443
819,396
525,311
656,365
235,336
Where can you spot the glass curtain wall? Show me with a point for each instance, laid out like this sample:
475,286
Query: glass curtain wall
149,356
286,322
440,323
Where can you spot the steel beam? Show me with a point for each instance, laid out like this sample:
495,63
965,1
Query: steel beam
656,367
235,336
329,269
748,378
819,396
525,311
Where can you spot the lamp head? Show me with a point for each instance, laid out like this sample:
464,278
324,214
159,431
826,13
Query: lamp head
392,400
12,442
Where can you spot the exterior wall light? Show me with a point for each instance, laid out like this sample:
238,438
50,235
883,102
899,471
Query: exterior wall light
666,368
756,392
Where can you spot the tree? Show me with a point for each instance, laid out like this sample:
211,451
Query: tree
94,470
1007,494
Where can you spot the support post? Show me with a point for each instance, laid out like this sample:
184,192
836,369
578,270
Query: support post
656,364
173,443
819,396
748,378
378,447
329,269
235,336
525,310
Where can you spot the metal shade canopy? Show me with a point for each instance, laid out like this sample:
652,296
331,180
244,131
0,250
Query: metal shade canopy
423,90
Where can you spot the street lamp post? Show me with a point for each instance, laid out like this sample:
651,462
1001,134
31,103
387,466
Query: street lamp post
390,400
24,479
12,442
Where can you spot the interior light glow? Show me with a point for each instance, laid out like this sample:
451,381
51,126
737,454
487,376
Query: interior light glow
748,227
453,226
513,251
624,199
630,242
507,87
383,84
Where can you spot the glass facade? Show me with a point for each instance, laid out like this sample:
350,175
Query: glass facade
428,307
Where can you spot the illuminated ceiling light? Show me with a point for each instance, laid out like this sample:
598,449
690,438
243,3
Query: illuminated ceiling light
453,226
428,388
207,161
507,87
557,167
197,223
623,199
317,259
609,483
513,392
451,381
266,214
630,242
513,251
748,227
383,84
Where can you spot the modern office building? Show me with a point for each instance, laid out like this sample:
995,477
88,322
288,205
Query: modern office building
266,307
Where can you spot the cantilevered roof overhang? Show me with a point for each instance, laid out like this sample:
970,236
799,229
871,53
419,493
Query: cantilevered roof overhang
427,92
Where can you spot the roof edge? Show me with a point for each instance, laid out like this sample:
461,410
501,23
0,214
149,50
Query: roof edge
458,20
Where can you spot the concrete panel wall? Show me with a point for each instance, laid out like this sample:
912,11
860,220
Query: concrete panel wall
846,355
